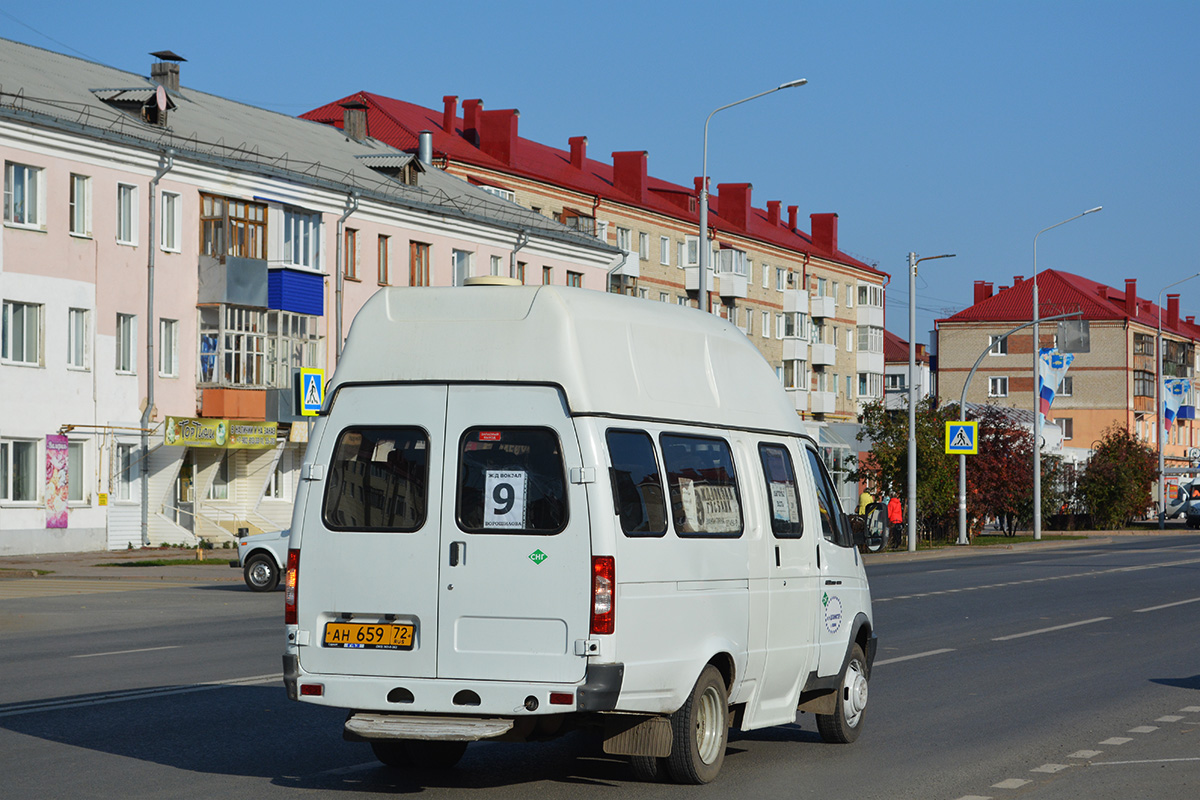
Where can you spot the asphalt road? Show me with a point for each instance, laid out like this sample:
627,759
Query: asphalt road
1071,673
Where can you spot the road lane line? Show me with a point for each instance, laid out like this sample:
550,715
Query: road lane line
125,652
36,707
898,659
1167,605
1145,761
1049,630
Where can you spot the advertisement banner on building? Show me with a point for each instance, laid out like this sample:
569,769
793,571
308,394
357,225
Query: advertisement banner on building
1173,392
230,434
56,481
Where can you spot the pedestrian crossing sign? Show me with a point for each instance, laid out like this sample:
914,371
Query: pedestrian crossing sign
312,391
962,438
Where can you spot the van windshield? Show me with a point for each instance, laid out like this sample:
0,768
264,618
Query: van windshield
378,480
511,480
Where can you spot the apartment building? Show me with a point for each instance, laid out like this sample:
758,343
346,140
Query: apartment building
815,312
1114,341
169,260
895,378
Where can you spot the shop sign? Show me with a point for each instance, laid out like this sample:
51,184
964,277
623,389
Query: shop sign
231,434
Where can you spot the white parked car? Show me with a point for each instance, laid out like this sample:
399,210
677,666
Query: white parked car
262,558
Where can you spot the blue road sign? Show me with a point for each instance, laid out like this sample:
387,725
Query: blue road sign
962,438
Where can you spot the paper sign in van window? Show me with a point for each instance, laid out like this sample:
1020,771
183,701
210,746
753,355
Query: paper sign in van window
504,499
781,483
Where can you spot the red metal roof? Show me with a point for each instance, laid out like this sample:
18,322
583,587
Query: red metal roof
895,350
1063,292
398,123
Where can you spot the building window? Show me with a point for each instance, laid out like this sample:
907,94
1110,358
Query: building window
1067,387
127,210
293,342
77,338
18,471
23,195
834,293
124,472
779,326
232,346
21,333
692,251
547,276
461,265
998,387
172,220
168,348
1143,383
1068,427
895,382
75,493
681,300
732,260
869,295
219,488
81,205
997,345
664,297
1143,344
126,343
849,295
780,279
644,246
279,487
870,384
418,264
383,261
232,228
507,194
520,271
764,330
580,222
870,339
575,279
624,239
766,276
350,253
664,251
794,375
795,324
300,239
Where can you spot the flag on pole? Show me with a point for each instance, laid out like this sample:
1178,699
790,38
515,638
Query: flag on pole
1173,392
1052,367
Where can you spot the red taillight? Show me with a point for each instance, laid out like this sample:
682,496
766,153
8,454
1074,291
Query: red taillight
291,587
562,699
312,689
604,583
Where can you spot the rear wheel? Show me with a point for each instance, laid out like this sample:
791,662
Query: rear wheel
845,723
418,753
651,769
700,731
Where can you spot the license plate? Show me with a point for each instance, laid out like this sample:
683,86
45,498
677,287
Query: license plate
368,636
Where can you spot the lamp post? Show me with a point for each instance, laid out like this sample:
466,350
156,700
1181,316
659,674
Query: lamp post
1037,399
702,289
912,394
1159,399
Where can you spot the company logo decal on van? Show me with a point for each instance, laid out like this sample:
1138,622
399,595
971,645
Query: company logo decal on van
833,612
537,556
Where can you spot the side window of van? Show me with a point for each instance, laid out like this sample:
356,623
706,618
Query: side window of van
378,480
781,491
511,480
833,526
702,485
637,485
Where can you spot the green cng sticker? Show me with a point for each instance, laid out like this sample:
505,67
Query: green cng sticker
537,556
825,599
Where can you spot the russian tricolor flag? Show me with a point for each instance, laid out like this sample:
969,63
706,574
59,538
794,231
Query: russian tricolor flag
1052,367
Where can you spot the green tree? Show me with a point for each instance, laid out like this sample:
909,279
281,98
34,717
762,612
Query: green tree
1000,476
1115,485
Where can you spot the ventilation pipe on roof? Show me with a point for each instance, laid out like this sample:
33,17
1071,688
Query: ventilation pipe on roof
774,208
471,109
629,173
793,217
498,133
425,148
165,71
450,112
1173,310
1017,279
578,150
735,203
983,290
354,120
1131,304
825,232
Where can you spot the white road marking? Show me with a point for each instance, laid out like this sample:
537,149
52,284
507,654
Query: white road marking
1011,783
1190,710
1167,605
18,709
1146,761
1085,754
914,655
1051,768
1169,718
1144,729
1117,740
974,797
125,652
1049,630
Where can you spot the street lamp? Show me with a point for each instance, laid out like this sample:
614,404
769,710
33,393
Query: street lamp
1159,398
912,394
1037,398
702,296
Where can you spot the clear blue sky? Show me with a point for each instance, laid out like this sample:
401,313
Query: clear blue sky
934,127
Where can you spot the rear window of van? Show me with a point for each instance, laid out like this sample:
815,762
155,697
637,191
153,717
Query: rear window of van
702,486
378,480
511,480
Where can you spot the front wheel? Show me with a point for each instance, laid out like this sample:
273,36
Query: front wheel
845,723
261,573
700,731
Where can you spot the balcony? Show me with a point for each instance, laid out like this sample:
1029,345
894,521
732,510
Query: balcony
870,315
795,349
799,398
820,307
730,284
870,362
235,281
795,300
690,280
823,355
630,267
822,402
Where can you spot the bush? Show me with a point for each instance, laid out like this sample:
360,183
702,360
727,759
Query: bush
1115,486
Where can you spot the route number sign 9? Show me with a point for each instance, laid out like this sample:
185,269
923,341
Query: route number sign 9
504,498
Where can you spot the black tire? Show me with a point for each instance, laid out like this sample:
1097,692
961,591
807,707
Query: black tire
650,769
700,731
418,753
261,573
846,721
391,752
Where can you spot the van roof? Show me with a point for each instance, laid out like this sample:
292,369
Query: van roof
611,354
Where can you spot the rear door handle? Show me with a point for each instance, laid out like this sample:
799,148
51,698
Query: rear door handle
833,583
458,553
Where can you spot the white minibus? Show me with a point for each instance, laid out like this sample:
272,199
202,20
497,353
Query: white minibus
529,510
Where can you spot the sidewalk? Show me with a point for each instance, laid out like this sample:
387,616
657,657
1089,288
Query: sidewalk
213,569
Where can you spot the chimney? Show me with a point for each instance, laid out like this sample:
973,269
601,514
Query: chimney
425,147
1131,308
773,208
1191,320
629,173
165,71
471,109
1173,310
498,133
983,290
354,120
792,217
1017,279
824,232
450,112
578,150
735,203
